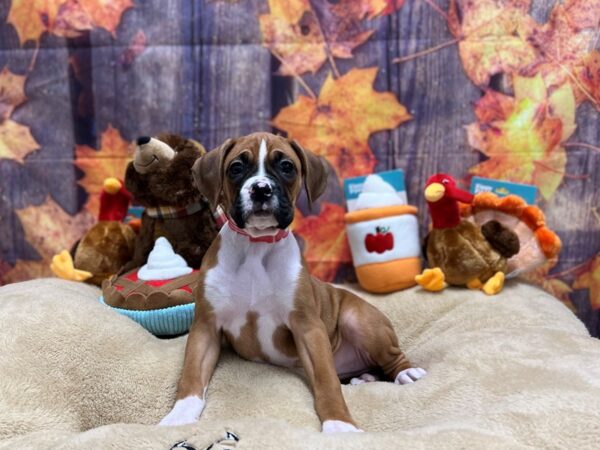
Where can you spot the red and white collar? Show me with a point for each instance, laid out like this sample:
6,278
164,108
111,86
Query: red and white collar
264,239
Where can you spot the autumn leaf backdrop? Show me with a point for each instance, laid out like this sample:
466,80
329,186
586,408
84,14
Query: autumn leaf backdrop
496,88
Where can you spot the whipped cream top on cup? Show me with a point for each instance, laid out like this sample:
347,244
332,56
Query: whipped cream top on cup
163,263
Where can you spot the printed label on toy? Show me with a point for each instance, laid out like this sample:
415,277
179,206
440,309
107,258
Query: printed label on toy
385,239
501,188
354,186
134,212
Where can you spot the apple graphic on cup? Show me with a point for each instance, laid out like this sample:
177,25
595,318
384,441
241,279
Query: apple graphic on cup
379,242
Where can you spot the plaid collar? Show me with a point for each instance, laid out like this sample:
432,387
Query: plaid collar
171,212
222,219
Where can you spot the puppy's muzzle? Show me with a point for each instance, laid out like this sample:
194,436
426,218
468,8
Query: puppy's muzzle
261,192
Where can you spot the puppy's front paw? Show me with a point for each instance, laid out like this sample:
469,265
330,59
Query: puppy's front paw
184,412
410,375
338,426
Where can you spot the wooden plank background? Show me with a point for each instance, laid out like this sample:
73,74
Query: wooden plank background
205,73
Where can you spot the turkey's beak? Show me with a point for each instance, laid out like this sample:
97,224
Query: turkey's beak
459,195
434,192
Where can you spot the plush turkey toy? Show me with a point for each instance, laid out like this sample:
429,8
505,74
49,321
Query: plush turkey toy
477,245
114,200
106,247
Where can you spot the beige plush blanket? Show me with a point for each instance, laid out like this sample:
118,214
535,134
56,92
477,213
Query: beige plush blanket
516,370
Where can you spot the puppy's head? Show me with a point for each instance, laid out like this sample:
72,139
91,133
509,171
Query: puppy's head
257,179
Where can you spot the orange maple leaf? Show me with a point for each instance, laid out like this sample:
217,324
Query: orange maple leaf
554,286
590,279
521,136
337,124
564,43
67,18
110,161
588,74
300,36
49,229
499,36
12,92
325,242
106,13
493,37
16,141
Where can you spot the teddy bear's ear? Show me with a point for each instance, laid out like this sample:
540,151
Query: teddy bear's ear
314,171
208,172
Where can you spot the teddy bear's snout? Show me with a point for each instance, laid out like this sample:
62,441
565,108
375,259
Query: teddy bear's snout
151,154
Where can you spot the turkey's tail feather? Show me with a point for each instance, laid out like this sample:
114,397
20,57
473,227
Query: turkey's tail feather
536,243
503,240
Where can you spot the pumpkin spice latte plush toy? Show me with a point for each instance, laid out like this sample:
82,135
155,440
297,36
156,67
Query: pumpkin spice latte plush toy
477,240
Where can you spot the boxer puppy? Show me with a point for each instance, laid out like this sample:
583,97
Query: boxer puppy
254,289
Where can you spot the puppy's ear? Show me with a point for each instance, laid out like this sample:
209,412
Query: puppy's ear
208,172
314,170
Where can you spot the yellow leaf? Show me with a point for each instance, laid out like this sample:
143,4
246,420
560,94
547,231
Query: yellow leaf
325,241
493,37
67,18
16,141
71,20
521,136
31,18
588,75
110,161
12,92
300,37
564,43
106,13
337,125
49,229
562,105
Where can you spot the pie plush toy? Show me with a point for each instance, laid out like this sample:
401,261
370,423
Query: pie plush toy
157,295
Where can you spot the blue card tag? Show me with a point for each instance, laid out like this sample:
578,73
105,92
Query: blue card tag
527,192
353,186
134,212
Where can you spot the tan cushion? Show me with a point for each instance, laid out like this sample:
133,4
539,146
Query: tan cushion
514,370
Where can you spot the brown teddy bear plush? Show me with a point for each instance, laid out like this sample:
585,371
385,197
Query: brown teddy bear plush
160,179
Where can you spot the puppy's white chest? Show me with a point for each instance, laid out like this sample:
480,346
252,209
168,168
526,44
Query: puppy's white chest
251,290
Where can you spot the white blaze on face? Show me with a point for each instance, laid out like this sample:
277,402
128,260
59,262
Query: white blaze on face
260,176
262,156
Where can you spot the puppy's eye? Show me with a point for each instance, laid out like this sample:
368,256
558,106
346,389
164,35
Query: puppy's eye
287,167
236,168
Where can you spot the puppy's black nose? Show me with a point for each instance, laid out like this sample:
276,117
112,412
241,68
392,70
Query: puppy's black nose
143,140
261,191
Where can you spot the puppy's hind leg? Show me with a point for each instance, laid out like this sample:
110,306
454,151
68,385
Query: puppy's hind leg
370,331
